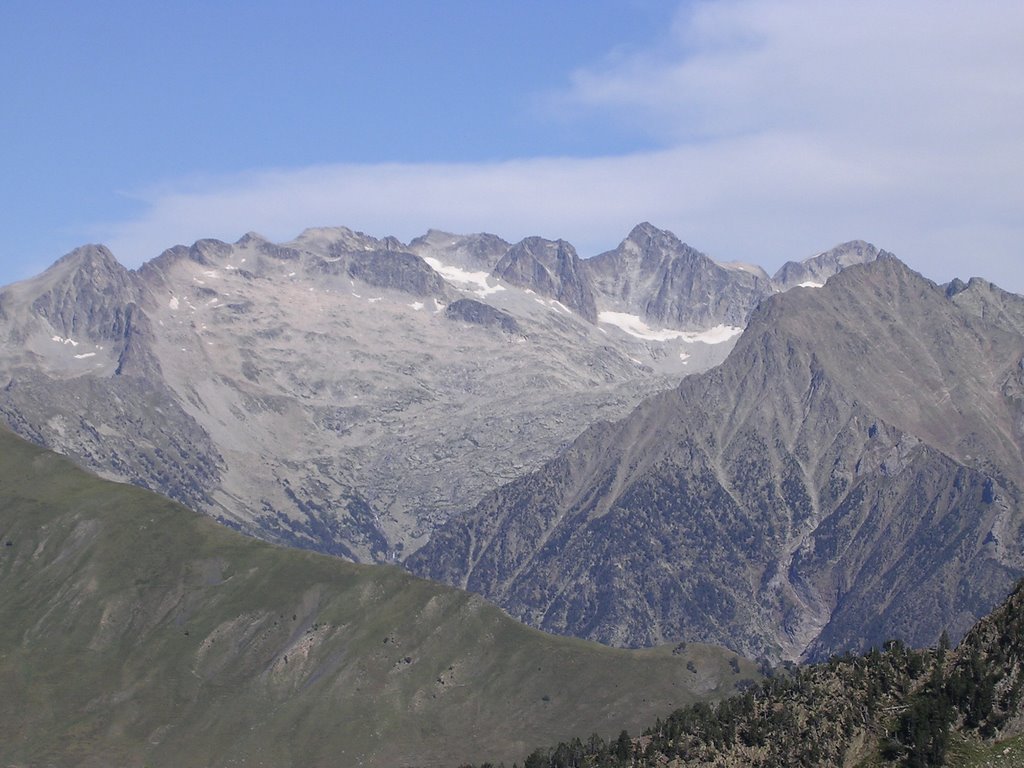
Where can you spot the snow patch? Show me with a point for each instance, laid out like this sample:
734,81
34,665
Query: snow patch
476,281
553,304
634,326
809,284
375,299
173,303
62,340
417,305
85,355
715,335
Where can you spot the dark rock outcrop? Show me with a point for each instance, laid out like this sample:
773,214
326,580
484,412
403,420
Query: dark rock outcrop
478,313
396,270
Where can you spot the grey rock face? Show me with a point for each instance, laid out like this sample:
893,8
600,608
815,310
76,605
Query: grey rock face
552,269
654,275
398,271
473,311
853,472
472,252
129,427
989,302
89,293
817,269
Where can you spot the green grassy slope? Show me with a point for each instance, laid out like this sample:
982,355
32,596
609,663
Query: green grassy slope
133,632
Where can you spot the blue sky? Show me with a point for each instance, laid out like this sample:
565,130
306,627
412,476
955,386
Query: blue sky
756,130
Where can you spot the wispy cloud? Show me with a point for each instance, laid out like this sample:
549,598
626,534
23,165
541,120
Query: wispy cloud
785,127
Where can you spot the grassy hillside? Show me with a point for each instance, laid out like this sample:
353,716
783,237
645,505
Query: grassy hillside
134,632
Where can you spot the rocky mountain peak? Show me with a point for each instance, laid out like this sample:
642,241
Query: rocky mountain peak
209,251
988,301
480,251
251,239
550,268
647,241
656,276
337,240
86,293
92,259
152,269
80,315
817,269
922,363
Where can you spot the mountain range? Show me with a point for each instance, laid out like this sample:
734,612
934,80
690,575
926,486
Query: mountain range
643,448
346,393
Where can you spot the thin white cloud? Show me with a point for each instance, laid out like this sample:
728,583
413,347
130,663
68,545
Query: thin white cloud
787,127
912,71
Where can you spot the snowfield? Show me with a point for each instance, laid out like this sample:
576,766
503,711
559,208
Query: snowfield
634,326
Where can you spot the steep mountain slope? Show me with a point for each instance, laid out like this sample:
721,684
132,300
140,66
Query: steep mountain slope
133,631
853,472
347,393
